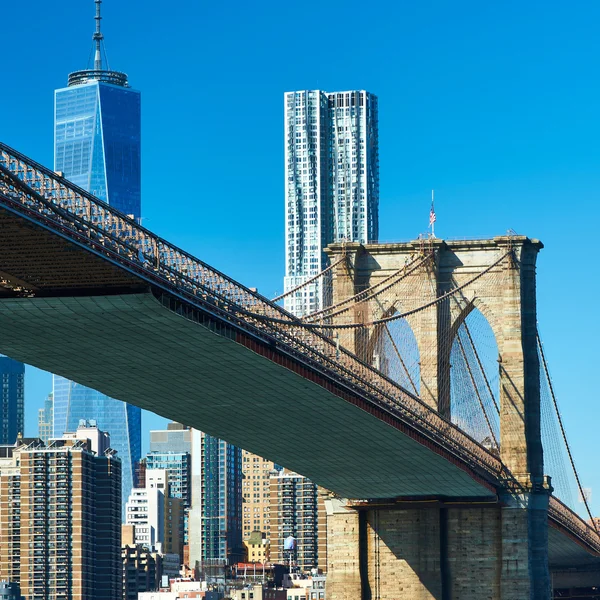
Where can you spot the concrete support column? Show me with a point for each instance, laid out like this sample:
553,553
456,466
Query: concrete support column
525,518
345,285
426,330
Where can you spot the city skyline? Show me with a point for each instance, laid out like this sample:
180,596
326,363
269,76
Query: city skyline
480,134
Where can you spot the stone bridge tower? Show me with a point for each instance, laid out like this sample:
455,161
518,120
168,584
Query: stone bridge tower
506,296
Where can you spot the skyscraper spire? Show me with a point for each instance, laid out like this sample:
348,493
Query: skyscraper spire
99,71
98,37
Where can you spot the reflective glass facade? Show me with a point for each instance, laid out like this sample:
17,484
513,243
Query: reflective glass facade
97,147
178,466
215,518
73,402
97,142
222,500
12,397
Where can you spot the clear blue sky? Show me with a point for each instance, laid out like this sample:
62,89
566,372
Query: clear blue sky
495,105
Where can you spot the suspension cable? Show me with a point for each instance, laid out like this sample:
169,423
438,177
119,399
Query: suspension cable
562,430
369,293
309,281
404,367
408,312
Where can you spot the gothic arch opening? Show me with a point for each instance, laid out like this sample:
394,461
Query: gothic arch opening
395,353
475,380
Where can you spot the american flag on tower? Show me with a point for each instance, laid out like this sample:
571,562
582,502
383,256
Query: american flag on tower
432,218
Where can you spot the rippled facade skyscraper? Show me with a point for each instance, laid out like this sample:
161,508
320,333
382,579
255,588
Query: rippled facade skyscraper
97,146
331,184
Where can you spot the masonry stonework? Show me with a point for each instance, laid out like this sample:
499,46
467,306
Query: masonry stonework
466,553
441,552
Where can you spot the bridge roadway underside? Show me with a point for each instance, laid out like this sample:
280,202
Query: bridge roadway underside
571,564
132,348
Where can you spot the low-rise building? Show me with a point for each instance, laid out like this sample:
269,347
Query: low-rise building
257,547
259,592
183,589
10,591
141,570
317,589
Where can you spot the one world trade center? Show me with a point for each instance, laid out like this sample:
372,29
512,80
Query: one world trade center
97,147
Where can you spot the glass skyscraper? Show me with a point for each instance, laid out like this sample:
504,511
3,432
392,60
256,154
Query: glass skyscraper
97,146
12,397
215,519
331,183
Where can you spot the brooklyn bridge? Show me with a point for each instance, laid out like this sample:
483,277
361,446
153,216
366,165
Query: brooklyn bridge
422,388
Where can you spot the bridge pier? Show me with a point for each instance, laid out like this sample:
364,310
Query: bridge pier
438,551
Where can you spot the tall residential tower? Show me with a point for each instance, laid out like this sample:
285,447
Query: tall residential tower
60,517
332,183
97,146
215,518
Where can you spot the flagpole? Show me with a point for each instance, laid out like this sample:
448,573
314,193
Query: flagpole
432,218
433,224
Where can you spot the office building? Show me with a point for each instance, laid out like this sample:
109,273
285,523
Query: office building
60,517
298,512
256,494
171,449
45,428
215,518
97,132
145,510
331,184
97,146
12,397
175,438
177,466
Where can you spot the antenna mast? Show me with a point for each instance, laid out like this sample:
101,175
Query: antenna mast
98,37
101,69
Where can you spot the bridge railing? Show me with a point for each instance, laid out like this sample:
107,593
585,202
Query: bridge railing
46,196
572,522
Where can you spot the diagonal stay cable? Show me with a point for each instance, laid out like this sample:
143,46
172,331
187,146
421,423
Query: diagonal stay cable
479,363
562,430
476,389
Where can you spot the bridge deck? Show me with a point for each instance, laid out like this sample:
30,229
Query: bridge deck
182,370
